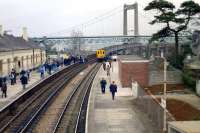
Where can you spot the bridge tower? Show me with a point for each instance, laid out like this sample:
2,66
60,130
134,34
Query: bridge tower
136,25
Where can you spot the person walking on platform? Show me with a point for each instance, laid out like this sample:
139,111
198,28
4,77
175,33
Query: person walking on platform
4,89
113,89
108,70
103,85
24,81
42,71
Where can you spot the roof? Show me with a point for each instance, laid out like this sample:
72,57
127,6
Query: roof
131,58
186,126
10,42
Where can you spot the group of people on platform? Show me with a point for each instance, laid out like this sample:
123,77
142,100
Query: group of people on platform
24,75
113,87
54,66
12,77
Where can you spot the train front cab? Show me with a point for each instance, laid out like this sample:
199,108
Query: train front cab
100,55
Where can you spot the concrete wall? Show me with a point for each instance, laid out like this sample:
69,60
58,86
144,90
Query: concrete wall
21,59
148,104
173,77
133,71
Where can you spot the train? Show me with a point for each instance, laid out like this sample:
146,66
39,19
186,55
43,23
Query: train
101,55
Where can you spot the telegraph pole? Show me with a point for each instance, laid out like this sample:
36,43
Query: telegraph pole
165,96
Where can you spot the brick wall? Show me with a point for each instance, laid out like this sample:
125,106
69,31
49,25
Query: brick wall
137,71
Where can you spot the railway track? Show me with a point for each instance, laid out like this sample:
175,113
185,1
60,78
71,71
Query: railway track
63,111
17,121
71,114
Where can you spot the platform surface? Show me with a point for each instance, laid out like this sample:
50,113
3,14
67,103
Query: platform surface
118,116
13,91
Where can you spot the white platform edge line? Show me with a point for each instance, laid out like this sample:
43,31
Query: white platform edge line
88,105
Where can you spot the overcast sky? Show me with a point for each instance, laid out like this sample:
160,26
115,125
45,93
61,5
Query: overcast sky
45,17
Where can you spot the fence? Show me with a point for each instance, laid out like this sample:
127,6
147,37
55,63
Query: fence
148,104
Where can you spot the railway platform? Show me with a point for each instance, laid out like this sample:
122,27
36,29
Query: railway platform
119,116
14,91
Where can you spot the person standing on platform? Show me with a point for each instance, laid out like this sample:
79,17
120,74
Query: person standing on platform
49,68
103,85
4,89
11,78
24,81
113,89
13,72
108,70
42,71
28,74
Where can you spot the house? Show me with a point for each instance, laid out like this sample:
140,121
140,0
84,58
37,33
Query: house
19,53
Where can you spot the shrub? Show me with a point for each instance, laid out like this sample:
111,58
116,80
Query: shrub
189,80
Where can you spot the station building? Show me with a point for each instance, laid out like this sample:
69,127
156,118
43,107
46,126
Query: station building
19,53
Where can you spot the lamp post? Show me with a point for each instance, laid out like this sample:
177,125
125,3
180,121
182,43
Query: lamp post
164,100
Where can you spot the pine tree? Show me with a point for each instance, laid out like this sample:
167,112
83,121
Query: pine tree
175,20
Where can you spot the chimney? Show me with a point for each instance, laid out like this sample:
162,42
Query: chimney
24,34
1,30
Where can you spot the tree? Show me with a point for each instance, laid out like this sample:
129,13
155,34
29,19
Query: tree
175,21
76,41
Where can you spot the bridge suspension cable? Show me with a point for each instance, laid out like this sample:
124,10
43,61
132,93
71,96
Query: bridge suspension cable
90,22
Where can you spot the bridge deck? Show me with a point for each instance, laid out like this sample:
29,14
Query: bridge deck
118,116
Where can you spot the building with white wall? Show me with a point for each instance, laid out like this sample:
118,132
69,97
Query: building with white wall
19,53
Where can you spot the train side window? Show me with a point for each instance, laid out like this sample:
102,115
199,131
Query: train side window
103,52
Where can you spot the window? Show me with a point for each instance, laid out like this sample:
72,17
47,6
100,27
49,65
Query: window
19,64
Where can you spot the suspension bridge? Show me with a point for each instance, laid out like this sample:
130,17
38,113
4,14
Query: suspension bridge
115,27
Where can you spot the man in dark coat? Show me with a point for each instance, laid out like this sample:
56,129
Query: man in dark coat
49,67
12,76
4,89
113,89
24,81
13,73
103,85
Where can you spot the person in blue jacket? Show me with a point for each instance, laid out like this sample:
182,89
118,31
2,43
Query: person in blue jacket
113,89
103,85
24,81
